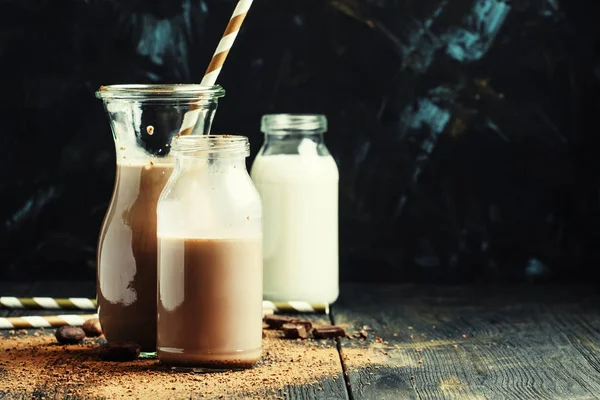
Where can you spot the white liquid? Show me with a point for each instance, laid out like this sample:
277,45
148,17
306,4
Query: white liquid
300,225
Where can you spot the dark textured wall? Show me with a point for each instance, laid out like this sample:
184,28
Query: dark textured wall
465,130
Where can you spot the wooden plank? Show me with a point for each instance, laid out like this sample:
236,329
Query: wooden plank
291,370
473,343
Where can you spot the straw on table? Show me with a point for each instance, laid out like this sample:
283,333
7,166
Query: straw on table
48,303
296,307
50,321
55,321
216,64
78,303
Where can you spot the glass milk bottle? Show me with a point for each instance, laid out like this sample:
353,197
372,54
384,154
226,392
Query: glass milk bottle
297,179
210,257
144,120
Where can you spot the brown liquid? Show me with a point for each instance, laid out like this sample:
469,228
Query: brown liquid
127,256
210,302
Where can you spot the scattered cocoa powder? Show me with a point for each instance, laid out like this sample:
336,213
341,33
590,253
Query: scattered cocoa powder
76,371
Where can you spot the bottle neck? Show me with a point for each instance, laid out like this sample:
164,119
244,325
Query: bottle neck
146,118
212,164
294,143
219,152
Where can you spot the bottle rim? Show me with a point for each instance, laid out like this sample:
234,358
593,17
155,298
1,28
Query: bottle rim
159,92
294,123
196,146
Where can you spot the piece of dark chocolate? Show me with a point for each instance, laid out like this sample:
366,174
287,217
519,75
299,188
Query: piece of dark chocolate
277,321
307,324
295,331
328,331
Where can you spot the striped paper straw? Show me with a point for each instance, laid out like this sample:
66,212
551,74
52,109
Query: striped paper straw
231,32
48,303
56,321
51,321
296,307
216,64
78,303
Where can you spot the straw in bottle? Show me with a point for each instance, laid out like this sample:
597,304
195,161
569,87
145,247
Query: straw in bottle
216,64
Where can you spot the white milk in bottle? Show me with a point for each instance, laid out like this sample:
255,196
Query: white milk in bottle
297,179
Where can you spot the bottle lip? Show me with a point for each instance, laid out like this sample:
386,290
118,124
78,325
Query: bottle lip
195,146
159,92
294,123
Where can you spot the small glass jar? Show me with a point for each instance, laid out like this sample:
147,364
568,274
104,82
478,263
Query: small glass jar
210,257
297,179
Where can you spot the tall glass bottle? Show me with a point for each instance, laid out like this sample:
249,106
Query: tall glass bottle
297,179
144,120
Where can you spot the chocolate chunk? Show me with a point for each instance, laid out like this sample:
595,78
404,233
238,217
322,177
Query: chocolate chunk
277,321
328,331
295,331
69,335
307,324
92,327
119,351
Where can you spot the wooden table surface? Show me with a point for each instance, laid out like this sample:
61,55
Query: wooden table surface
439,342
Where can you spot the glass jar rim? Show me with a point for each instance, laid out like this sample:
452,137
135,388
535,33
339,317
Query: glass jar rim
159,92
294,123
211,145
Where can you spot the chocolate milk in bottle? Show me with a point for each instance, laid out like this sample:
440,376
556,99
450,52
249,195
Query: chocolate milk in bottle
144,120
210,257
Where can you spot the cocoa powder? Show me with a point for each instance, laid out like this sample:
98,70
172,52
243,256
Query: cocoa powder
33,364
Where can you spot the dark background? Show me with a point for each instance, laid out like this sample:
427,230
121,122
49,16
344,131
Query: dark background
465,130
